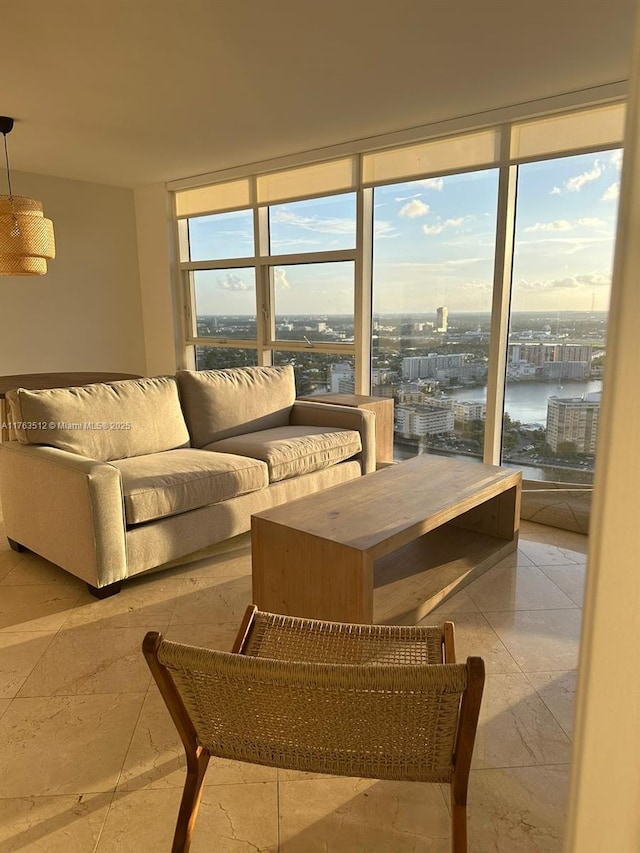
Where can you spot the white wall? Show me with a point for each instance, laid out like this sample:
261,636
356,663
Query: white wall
85,313
604,814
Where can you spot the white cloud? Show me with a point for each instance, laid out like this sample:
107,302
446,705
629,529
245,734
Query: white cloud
612,192
300,241
330,225
556,225
408,197
439,227
585,281
591,222
280,279
382,228
576,183
432,183
230,281
414,208
478,286
616,158
555,191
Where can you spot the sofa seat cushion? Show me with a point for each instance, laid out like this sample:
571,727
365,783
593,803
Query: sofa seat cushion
161,484
293,450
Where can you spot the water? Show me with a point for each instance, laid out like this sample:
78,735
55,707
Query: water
527,401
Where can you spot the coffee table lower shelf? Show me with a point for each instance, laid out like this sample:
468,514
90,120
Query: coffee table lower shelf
314,579
411,582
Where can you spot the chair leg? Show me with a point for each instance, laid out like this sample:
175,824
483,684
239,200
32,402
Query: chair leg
458,828
196,770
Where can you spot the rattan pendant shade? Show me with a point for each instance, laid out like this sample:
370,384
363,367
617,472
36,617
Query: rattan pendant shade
26,237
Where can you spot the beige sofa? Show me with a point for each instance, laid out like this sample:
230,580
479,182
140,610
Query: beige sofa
113,479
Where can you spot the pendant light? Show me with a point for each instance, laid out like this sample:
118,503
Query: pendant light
26,237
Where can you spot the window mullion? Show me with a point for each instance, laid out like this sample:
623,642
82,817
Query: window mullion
264,302
362,313
503,268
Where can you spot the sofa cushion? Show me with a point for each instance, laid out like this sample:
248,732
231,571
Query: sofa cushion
175,481
105,421
221,403
293,450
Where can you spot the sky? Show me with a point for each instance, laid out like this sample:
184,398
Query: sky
433,244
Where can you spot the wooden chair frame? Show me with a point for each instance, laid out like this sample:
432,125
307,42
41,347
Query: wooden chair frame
198,757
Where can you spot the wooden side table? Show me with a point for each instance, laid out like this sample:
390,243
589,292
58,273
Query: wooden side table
40,381
383,408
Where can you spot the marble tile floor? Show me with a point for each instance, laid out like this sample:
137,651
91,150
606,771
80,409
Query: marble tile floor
90,762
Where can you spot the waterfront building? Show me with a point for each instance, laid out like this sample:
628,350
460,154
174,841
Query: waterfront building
573,420
548,361
469,410
415,420
521,370
433,366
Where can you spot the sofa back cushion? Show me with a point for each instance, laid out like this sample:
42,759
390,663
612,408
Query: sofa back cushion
105,421
221,403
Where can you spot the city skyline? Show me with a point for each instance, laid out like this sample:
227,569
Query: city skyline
422,315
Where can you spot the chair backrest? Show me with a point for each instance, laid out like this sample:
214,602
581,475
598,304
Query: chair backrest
387,721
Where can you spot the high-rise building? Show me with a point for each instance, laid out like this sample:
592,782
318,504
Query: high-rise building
573,420
442,319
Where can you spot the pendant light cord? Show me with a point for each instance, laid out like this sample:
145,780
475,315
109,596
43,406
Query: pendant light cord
6,157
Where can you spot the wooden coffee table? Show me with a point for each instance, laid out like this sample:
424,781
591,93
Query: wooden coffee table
387,547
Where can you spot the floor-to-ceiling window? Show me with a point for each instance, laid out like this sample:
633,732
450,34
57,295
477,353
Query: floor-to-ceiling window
563,254
434,248
389,271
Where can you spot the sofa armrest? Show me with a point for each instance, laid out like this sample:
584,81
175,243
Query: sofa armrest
348,417
65,507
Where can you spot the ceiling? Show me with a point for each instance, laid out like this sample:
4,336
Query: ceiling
130,92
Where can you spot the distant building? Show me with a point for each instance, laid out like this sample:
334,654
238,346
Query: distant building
573,420
415,420
381,376
549,361
518,371
342,378
469,410
577,370
444,368
442,319
432,366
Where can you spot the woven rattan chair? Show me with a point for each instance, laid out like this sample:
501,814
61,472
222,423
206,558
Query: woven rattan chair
384,702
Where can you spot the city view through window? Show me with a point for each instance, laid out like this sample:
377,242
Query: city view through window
550,424
432,280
